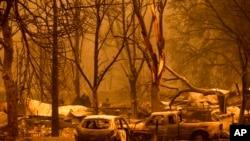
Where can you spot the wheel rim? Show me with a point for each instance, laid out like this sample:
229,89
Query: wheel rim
198,138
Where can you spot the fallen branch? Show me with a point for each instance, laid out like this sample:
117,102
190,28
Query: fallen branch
191,88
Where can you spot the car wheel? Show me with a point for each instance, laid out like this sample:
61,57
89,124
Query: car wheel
200,136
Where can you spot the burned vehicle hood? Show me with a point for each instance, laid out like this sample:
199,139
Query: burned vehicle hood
136,126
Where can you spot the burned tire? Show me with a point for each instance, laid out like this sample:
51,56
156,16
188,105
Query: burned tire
200,136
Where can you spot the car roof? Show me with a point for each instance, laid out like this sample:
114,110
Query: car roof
165,113
110,117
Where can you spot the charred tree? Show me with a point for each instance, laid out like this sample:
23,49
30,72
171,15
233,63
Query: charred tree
77,49
155,59
134,62
102,10
9,82
54,83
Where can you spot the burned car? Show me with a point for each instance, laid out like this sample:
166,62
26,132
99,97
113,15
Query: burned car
103,128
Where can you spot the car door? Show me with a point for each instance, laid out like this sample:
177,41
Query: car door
126,128
120,130
156,124
172,127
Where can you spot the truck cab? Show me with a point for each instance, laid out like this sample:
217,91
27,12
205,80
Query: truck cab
164,123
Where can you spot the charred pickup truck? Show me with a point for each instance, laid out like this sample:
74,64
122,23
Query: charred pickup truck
169,126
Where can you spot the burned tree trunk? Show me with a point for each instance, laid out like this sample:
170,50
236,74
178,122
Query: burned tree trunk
55,65
133,96
10,85
95,102
155,59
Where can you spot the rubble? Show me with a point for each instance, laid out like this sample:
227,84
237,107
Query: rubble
37,120
38,108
